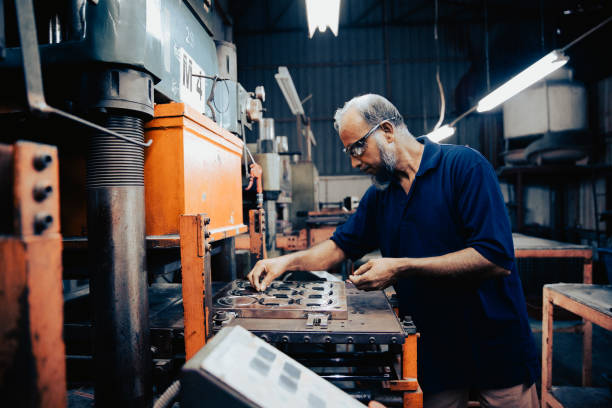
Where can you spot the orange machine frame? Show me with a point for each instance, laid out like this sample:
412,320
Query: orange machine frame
192,167
32,352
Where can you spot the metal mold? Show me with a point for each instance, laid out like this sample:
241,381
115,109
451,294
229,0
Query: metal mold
283,300
237,301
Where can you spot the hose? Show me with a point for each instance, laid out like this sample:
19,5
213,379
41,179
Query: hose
169,396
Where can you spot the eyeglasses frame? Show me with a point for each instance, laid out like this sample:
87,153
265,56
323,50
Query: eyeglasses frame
348,149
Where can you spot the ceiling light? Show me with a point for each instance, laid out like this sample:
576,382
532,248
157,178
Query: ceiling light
549,63
441,133
288,88
322,14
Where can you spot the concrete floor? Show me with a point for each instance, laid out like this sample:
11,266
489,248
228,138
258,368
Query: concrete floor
567,354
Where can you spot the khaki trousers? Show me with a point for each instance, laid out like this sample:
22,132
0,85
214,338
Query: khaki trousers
519,396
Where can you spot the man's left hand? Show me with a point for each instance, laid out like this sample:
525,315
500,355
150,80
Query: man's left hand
376,274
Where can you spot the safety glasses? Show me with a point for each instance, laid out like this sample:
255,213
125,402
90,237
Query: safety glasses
357,148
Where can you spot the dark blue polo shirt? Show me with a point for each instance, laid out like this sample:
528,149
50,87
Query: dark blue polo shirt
474,333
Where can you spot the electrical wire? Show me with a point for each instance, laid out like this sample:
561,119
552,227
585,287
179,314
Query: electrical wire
167,399
565,48
587,33
440,87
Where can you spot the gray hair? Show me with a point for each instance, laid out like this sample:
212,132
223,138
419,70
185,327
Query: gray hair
374,109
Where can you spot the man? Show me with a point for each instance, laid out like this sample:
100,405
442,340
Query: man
437,215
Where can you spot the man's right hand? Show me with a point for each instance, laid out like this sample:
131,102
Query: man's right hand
265,271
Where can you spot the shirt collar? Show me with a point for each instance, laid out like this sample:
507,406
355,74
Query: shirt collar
431,155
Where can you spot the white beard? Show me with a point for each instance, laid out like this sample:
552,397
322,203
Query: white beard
385,174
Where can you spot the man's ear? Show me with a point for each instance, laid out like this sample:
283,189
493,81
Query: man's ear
389,132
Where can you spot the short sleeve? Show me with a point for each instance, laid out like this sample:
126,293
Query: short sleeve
358,235
483,214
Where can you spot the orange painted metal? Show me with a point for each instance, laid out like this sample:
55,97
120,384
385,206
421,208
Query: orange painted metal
306,238
293,242
243,242
412,398
32,353
257,233
587,254
196,280
553,298
320,234
192,167
409,357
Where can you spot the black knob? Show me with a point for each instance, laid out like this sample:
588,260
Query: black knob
42,191
41,161
42,221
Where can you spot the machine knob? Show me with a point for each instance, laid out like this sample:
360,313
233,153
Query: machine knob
41,161
42,191
260,93
42,221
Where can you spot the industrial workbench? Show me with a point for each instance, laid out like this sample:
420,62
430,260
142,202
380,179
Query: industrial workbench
526,246
594,304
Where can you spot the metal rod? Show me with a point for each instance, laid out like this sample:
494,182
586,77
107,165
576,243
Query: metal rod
389,88
586,34
95,126
486,39
463,115
116,236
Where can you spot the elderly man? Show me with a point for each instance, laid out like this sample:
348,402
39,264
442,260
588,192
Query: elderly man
437,215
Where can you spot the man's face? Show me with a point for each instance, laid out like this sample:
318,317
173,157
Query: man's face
378,158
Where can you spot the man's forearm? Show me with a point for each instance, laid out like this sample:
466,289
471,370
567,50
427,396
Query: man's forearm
466,263
320,257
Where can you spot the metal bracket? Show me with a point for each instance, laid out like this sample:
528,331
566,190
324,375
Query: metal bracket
317,319
223,318
32,72
408,326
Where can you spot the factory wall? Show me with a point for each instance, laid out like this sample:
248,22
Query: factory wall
334,69
333,189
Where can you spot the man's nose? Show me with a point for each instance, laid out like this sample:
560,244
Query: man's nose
355,162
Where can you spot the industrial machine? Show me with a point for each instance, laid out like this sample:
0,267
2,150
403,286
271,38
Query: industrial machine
253,374
89,77
350,337
149,123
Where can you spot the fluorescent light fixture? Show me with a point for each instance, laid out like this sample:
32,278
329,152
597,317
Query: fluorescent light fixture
322,14
549,63
441,133
283,77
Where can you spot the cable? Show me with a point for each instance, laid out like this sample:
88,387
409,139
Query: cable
167,399
58,112
211,96
440,87
566,47
586,34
